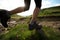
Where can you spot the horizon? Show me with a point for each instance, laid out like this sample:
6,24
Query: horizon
9,5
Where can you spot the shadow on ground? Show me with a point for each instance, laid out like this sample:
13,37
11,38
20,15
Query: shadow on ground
38,35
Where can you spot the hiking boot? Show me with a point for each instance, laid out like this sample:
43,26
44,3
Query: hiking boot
34,25
4,17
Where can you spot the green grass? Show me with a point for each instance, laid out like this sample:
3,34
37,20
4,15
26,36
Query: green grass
52,11
52,33
21,32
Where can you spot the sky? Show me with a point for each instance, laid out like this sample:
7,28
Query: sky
12,4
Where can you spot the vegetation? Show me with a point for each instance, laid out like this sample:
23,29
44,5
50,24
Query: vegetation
53,11
21,31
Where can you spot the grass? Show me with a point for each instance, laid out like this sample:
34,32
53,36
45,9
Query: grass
21,32
52,11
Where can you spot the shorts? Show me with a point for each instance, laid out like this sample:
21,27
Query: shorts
37,3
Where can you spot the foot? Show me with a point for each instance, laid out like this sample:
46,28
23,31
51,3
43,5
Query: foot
33,26
4,17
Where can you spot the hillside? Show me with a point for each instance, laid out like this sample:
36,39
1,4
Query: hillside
52,11
49,18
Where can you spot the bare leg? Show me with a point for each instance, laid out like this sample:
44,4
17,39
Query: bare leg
33,23
37,10
35,14
22,9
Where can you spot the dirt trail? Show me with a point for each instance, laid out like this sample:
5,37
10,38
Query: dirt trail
50,21
45,21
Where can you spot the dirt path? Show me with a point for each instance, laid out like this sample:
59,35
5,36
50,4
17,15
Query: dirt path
45,21
50,21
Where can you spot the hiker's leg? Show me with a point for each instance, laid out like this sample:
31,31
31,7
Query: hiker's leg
33,24
22,9
36,10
